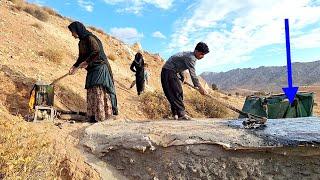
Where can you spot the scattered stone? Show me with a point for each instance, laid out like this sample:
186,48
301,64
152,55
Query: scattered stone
131,161
182,165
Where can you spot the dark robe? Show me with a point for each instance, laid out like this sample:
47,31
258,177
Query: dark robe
137,66
99,71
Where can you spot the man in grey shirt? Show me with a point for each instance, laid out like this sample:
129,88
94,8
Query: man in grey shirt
170,81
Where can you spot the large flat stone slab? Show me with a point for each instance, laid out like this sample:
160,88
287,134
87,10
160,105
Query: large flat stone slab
149,135
230,134
288,132
208,149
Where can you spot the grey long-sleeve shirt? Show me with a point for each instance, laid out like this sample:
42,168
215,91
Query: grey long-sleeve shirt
183,61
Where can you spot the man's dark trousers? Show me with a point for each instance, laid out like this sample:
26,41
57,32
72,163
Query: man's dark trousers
173,90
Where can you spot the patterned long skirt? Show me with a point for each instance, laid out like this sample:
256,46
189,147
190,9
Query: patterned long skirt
99,104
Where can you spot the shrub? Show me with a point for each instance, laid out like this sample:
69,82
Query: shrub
18,4
19,8
50,11
54,55
97,30
16,1
260,93
155,105
68,19
36,12
214,87
225,97
112,57
41,15
37,25
206,106
29,10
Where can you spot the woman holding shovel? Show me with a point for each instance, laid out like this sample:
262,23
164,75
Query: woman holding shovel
101,95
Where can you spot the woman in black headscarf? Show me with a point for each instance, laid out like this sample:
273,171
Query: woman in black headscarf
101,95
137,66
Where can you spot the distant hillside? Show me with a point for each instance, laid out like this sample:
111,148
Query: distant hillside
265,78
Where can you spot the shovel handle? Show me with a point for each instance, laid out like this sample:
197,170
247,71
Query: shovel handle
56,80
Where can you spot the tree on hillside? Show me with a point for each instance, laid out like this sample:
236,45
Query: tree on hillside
214,87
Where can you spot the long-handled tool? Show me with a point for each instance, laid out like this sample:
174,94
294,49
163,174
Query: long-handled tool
56,80
67,115
252,118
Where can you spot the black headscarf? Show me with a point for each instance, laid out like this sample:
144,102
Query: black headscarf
80,29
139,59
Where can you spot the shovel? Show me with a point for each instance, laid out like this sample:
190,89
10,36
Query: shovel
56,80
252,118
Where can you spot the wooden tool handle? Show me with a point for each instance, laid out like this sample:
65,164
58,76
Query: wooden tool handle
55,81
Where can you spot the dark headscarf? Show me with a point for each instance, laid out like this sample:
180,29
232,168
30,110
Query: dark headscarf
139,59
79,28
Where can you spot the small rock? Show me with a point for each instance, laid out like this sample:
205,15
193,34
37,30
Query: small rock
131,161
193,169
182,166
120,168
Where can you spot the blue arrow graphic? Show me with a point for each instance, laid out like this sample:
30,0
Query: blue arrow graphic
289,91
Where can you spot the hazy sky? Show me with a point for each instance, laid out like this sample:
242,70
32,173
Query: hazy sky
240,33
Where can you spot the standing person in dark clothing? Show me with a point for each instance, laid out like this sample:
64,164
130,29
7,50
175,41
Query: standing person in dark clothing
101,95
170,81
137,66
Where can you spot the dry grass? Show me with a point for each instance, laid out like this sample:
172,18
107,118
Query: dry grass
24,153
198,104
37,12
18,4
37,25
112,57
97,30
32,151
68,19
52,12
155,105
54,55
17,1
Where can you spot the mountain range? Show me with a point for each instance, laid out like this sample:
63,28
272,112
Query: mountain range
265,78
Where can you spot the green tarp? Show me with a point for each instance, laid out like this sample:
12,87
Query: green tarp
278,106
